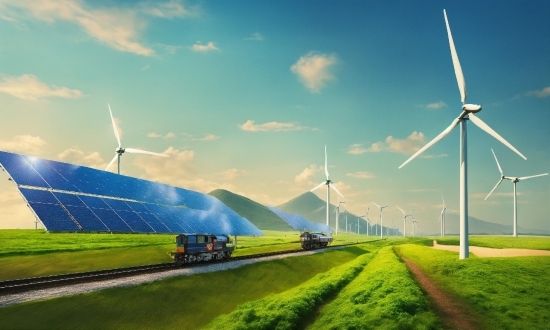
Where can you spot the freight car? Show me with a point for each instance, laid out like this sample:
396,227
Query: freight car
193,248
314,240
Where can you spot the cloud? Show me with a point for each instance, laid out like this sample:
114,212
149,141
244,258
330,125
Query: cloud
272,127
118,28
74,155
146,67
361,175
409,145
436,105
171,49
232,173
545,92
26,144
207,137
198,47
307,173
314,70
168,135
256,36
29,87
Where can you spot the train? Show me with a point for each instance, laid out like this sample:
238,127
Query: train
194,248
314,240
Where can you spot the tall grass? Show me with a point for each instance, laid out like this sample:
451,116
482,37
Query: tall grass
501,242
383,296
183,302
290,309
509,293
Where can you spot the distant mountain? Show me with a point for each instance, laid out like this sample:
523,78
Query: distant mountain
259,215
481,227
314,209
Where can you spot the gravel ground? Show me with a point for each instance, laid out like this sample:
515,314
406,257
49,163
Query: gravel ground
484,252
17,298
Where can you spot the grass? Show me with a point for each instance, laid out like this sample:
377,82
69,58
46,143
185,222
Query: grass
383,296
500,242
187,302
291,308
509,293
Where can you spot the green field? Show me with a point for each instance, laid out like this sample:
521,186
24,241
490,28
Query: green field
364,284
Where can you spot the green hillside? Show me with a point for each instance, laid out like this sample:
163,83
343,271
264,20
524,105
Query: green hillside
259,215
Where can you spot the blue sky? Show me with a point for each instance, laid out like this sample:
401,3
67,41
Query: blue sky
245,95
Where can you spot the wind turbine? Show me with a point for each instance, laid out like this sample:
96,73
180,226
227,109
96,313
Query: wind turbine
119,151
467,113
366,216
404,220
514,181
381,227
329,185
337,211
443,217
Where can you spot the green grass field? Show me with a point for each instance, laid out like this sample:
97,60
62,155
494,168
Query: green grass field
366,282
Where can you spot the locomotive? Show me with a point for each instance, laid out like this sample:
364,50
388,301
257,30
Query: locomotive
314,240
193,248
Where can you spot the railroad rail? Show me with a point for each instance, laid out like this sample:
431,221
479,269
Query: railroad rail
43,282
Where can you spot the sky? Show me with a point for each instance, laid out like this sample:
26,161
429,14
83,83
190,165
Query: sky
244,96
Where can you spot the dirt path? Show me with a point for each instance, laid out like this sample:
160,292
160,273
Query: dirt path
453,314
483,252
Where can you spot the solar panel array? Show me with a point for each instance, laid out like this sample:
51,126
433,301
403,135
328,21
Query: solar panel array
67,197
299,222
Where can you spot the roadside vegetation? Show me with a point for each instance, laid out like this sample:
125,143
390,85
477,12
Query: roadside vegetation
509,293
501,242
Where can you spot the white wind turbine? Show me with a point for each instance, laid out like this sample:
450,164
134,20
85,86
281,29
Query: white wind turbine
337,211
404,220
442,219
329,185
381,227
467,113
366,216
514,181
119,151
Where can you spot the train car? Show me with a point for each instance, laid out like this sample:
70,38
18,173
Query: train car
193,248
314,240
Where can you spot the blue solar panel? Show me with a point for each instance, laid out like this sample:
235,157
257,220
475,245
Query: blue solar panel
117,203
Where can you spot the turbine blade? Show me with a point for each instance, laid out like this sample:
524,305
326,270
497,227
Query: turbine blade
137,151
321,184
499,168
376,204
111,163
400,210
443,200
114,125
326,164
494,188
434,141
333,187
532,176
456,62
481,124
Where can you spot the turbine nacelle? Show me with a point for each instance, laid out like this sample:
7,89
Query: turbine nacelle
471,108
119,150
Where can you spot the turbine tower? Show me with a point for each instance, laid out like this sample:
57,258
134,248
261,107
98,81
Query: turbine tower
443,217
329,185
119,151
404,220
381,227
514,181
366,216
337,211
468,113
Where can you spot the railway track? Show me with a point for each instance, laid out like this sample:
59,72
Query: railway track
43,282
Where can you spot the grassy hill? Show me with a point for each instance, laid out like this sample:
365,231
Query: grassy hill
259,215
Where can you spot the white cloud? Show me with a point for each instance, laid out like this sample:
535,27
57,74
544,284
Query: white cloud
307,173
171,48
232,173
207,137
545,92
409,145
272,126
198,47
361,175
154,135
146,67
436,105
118,28
24,144
74,155
168,135
314,70
256,36
29,87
